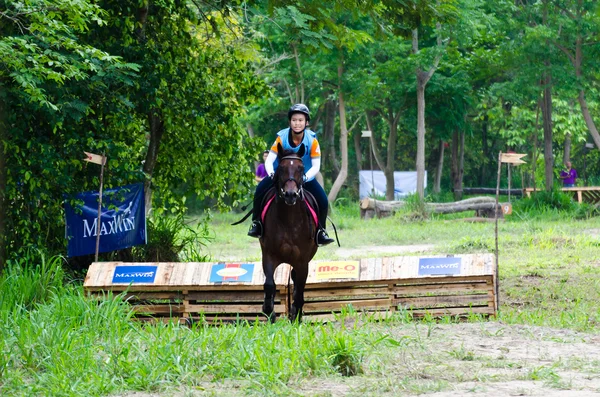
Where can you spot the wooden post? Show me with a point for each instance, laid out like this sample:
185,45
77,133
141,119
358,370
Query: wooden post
496,231
99,224
509,167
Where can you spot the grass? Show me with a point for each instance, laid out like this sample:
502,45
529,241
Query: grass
54,341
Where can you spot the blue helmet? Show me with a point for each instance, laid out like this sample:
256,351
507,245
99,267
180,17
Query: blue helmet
299,108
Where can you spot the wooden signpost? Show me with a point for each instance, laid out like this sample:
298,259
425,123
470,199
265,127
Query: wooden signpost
100,160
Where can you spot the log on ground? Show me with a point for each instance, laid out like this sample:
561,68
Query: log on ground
484,206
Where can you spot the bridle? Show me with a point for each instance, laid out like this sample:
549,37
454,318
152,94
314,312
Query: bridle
300,184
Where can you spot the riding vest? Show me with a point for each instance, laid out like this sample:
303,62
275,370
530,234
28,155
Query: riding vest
311,150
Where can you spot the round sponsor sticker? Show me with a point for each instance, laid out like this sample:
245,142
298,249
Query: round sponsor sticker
232,272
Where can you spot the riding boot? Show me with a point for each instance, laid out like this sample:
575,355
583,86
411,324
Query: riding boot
256,228
322,237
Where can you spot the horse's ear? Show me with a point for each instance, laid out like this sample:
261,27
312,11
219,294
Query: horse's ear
279,149
301,151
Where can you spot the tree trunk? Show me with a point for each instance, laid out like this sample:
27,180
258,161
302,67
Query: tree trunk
420,134
457,170
391,158
484,149
156,133
422,79
461,163
547,114
373,142
547,125
588,118
567,152
331,165
358,151
440,167
3,202
341,178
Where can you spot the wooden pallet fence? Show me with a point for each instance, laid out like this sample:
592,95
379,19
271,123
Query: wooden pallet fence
192,291
186,290
391,284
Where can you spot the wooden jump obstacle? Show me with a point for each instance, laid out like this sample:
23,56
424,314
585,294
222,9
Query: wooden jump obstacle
436,285
589,194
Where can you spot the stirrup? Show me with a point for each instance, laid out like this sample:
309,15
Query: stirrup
322,238
256,229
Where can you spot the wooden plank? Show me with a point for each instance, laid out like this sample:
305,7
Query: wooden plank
449,301
230,308
481,287
338,305
441,280
350,292
437,312
225,295
152,309
154,295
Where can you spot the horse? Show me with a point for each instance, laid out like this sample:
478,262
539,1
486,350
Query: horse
288,234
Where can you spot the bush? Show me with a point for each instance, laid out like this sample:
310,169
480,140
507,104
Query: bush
541,201
171,239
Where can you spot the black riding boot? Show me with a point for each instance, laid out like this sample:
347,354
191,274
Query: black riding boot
323,238
256,228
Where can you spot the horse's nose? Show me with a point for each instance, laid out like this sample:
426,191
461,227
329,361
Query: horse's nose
290,194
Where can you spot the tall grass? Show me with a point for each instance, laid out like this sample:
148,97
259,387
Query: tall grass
63,343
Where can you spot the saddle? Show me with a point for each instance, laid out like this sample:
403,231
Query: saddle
308,199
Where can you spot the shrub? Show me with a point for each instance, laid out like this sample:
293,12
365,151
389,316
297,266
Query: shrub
171,239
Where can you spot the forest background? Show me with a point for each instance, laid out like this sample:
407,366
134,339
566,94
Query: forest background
185,95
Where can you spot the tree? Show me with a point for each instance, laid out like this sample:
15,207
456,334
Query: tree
40,50
575,24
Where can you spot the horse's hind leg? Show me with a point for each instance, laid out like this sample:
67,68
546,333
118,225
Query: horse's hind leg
299,276
269,288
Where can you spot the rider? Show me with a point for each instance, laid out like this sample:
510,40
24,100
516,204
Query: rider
290,139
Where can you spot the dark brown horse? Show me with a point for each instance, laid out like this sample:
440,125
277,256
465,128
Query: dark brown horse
288,235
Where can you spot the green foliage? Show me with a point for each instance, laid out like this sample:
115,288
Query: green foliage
31,280
543,200
414,209
171,239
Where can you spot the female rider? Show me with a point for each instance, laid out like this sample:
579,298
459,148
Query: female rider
291,139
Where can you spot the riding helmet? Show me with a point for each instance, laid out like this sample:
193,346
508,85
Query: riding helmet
299,108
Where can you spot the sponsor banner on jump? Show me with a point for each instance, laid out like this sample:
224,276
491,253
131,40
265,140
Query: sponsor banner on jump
231,272
122,224
337,269
134,274
439,266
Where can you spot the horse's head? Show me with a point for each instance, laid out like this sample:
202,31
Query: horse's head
289,175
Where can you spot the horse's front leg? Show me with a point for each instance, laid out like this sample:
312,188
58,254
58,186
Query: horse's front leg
299,275
269,288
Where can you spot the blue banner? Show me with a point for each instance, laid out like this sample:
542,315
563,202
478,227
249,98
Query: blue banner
134,274
123,220
439,266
